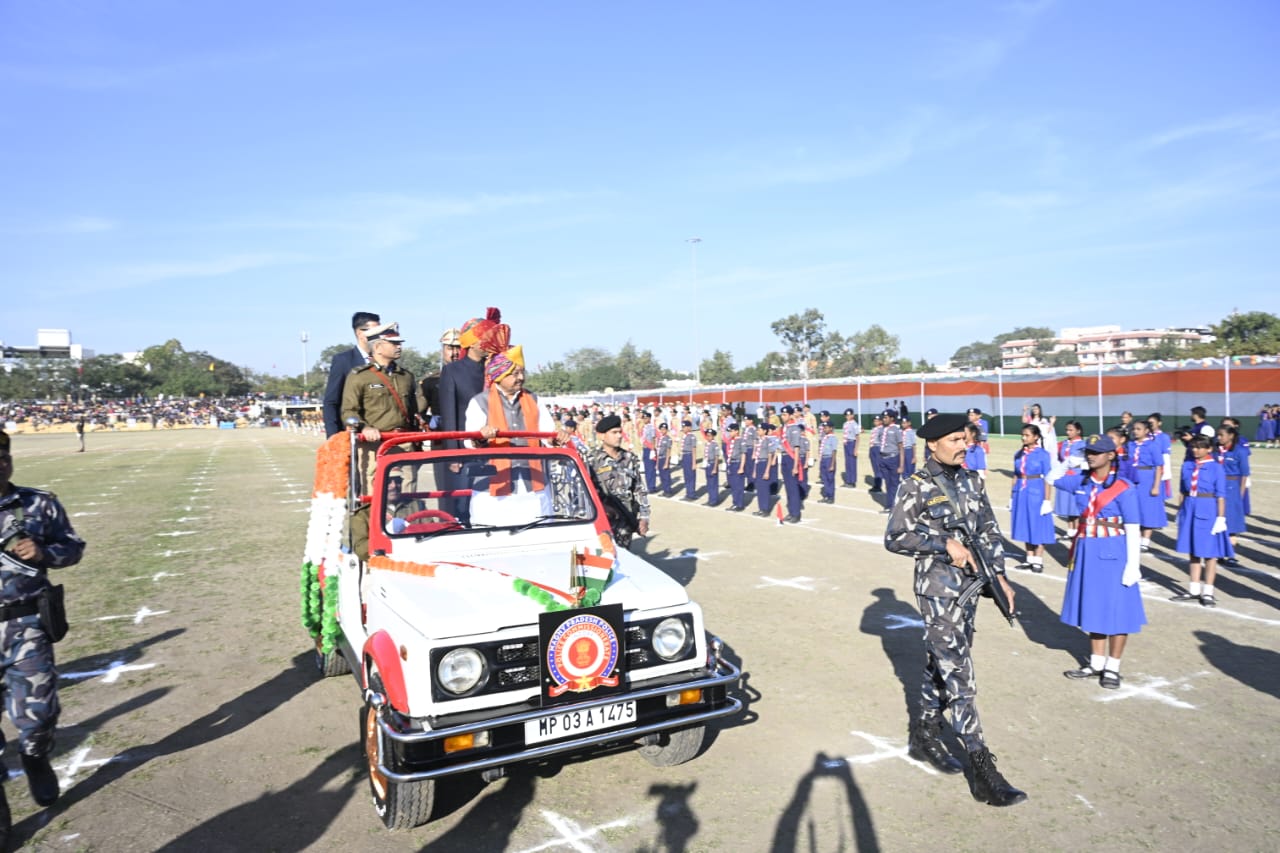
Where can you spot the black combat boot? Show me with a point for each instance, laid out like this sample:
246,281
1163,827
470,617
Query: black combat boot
987,785
924,744
41,779
6,822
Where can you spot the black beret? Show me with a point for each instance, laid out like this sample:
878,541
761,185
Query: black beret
941,425
608,422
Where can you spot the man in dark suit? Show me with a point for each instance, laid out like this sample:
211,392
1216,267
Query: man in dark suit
342,364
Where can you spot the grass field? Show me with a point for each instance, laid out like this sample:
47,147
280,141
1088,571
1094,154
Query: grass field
193,719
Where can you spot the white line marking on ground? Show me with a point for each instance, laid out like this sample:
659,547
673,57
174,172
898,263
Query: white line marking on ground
137,618
694,553
111,673
1088,804
572,835
78,760
801,582
1151,689
157,576
179,533
84,514
895,622
885,749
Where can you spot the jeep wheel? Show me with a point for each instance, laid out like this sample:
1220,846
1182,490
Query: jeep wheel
675,747
401,805
331,664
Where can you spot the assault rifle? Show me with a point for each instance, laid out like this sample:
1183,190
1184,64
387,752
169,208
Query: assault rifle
12,531
987,582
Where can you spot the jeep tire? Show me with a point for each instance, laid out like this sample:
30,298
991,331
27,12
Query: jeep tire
401,805
333,663
675,747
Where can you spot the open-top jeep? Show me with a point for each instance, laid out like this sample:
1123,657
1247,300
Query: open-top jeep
494,621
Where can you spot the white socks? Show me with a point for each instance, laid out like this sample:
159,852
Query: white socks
1112,665
1194,588
1096,662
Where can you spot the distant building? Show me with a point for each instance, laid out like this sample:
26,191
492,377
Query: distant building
50,343
1094,345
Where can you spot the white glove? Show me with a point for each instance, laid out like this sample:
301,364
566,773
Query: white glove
1168,467
1248,482
1133,555
1219,525
1046,507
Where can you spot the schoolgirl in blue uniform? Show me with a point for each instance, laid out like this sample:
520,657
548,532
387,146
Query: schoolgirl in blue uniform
1247,450
1164,443
1124,463
1070,464
1102,596
1031,504
975,458
1234,459
1266,434
1202,520
1148,463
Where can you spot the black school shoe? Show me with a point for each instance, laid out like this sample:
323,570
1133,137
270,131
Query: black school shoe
1110,680
1083,672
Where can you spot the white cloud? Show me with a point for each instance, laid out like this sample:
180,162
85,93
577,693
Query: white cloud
209,268
1260,127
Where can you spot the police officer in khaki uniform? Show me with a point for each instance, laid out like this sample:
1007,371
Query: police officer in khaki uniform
382,397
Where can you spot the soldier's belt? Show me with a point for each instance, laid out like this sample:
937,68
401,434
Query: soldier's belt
30,607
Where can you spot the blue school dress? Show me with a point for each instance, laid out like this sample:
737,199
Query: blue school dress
1096,600
975,458
1202,483
1146,458
1029,470
1235,464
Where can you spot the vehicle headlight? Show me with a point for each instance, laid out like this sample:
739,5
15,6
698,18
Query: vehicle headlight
671,638
460,670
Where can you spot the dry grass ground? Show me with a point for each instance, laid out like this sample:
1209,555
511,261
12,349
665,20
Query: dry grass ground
205,727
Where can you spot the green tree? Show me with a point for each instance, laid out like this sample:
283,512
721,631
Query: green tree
550,379
804,336
977,356
1167,348
718,369
418,364
870,352
639,369
1251,333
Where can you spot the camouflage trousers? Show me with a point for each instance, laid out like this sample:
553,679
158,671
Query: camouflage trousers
30,683
949,682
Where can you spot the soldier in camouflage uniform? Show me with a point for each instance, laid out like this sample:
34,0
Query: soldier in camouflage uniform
35,532
925,503
617,472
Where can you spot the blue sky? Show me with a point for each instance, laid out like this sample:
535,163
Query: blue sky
232,174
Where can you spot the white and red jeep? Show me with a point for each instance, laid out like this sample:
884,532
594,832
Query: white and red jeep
495,622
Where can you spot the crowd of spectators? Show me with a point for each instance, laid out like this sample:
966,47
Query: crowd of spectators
35,416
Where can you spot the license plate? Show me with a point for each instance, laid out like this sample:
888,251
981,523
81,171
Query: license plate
579,721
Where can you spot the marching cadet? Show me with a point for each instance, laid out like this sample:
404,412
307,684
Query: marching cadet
792,462
918,527
735,468
873,451
908,448
827,463
649,443
36,536
664,460
750,438
929,415
765,477
892,456
688,459
711,466
850,432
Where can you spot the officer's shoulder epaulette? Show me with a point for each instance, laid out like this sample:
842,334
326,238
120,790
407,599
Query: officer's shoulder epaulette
361,368
921,476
